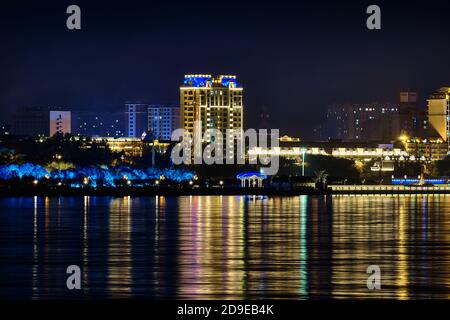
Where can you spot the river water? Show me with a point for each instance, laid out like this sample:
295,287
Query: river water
225,247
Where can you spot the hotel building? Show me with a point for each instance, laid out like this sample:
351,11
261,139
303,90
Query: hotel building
216,101
438,112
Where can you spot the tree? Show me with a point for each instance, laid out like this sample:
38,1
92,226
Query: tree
335,167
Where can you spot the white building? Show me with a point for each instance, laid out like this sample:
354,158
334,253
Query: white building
163,120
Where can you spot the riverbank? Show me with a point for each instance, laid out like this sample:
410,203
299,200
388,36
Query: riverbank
20,191
152,191
389,189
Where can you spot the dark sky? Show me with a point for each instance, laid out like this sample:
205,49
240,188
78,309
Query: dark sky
294,59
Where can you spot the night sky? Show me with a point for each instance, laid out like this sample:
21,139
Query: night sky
294,59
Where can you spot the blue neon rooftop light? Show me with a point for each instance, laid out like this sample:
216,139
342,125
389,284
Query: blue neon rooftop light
196,80
200,80
226,81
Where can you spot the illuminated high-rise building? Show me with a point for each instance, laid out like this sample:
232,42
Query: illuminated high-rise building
216,101
412,117
439,112
163,120
363,122
137,119
158,120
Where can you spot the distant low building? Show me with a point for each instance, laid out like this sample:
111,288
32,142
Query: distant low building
383,158
132,147
292,149
432,148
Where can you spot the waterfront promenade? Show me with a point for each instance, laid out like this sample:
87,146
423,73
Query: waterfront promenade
388,189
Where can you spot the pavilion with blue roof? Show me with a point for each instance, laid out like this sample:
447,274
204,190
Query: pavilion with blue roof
251,179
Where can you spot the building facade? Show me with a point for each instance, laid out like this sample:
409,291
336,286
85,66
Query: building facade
438,112
381,122
413,119
216,102
433,149
408,98
137,119
163,120
157,120
363,122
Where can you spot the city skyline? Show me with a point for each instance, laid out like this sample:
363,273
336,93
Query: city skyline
140,55
285,127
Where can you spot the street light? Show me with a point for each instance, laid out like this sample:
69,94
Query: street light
303,151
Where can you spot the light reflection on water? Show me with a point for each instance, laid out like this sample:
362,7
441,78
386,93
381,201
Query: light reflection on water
226,247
